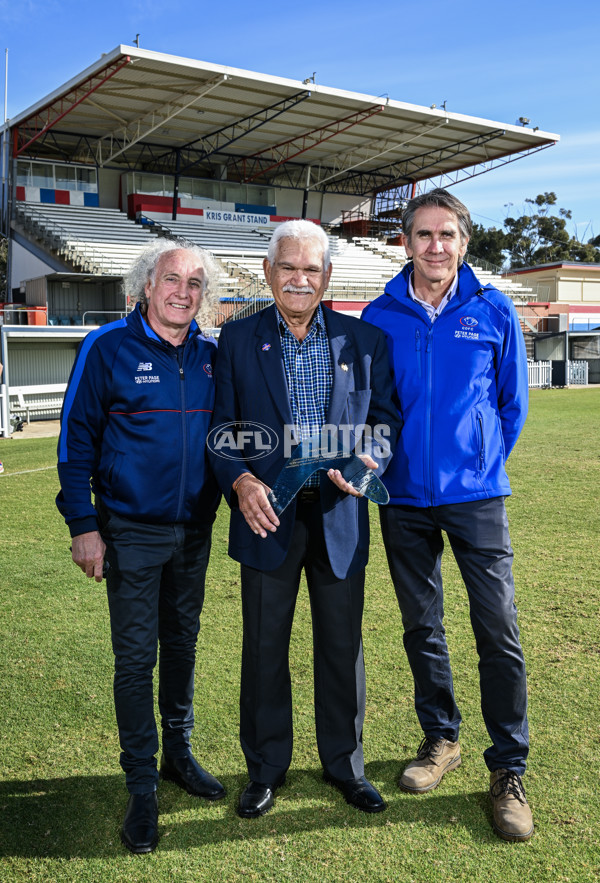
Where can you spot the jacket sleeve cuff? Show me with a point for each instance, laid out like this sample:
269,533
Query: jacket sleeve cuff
83,525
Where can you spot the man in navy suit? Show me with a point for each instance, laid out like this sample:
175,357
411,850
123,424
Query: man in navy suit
295,368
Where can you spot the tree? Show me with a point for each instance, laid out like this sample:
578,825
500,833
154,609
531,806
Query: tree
538,238
488,245
535,237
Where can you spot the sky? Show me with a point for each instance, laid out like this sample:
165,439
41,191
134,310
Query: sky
499,61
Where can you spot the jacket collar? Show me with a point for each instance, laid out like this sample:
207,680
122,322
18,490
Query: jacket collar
140,327
343,357
468,284
270,359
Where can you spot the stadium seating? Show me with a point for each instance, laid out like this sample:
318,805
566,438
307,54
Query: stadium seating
106,241
98,240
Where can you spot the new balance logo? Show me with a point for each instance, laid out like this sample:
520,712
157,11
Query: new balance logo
145,366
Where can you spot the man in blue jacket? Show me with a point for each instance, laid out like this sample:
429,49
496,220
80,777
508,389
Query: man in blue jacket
134,424
460,368
293,369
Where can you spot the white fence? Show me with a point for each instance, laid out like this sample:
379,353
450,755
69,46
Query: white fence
578,373
539,374
4,415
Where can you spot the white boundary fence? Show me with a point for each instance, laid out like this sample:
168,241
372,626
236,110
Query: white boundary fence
578,373
4,424
539,374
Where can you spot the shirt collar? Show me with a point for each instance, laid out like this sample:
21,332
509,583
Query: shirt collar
317,322
450,293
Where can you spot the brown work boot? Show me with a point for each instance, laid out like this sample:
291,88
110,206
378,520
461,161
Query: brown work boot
512,815
434,758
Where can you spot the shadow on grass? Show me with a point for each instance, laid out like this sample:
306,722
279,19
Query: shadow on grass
80,816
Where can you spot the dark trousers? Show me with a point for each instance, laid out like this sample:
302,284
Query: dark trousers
478,535
155,588
268,603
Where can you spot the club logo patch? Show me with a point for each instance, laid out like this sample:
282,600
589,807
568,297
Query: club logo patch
208,369
469,321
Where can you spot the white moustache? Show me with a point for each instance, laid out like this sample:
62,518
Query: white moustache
302,289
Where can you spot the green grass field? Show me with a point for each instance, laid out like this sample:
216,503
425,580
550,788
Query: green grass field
62,794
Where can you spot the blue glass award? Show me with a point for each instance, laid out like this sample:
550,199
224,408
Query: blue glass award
315,453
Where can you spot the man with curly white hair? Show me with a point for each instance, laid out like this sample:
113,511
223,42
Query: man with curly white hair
134,425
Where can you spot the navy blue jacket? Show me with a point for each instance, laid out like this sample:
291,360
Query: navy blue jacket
134,422
251,386
461,391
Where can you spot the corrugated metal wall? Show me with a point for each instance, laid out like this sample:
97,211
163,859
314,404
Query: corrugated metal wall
73,299
35,292
32,363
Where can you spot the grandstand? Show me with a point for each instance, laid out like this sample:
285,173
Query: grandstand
203,149
104,242
141,144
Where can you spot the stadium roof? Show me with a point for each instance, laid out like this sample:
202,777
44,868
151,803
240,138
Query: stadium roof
139,110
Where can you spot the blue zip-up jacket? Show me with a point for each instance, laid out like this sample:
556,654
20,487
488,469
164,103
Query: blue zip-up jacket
461,390
134,422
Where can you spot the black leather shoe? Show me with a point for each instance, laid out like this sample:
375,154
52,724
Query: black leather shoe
256,799
140,825
359,792
188,774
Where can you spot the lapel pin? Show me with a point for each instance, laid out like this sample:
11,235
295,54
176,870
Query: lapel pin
343,366
266,347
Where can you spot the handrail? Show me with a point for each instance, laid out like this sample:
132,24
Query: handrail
481,262
119,313
251,295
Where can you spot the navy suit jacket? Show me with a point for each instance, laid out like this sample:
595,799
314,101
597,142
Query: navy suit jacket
251,387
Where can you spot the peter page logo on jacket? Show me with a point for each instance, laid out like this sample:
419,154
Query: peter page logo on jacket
142,377
467,323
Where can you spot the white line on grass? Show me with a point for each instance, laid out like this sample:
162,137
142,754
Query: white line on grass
27,471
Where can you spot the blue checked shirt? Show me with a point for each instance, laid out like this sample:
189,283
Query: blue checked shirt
307,365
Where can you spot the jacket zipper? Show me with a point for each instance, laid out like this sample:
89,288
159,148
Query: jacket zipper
450,308
429,422
418,350
481,443
182,480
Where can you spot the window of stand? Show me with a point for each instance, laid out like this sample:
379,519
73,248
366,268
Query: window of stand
55,176
152,184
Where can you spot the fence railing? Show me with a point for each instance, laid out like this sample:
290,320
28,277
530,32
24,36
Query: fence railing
577,373
539,374
4,412
102,314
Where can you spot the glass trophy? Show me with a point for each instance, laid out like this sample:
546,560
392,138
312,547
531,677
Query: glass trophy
315,453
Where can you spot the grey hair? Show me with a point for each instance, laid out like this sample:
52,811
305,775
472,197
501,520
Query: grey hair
143,270
441,199
299,230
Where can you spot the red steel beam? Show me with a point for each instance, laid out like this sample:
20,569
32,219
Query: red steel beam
49,116
301,141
